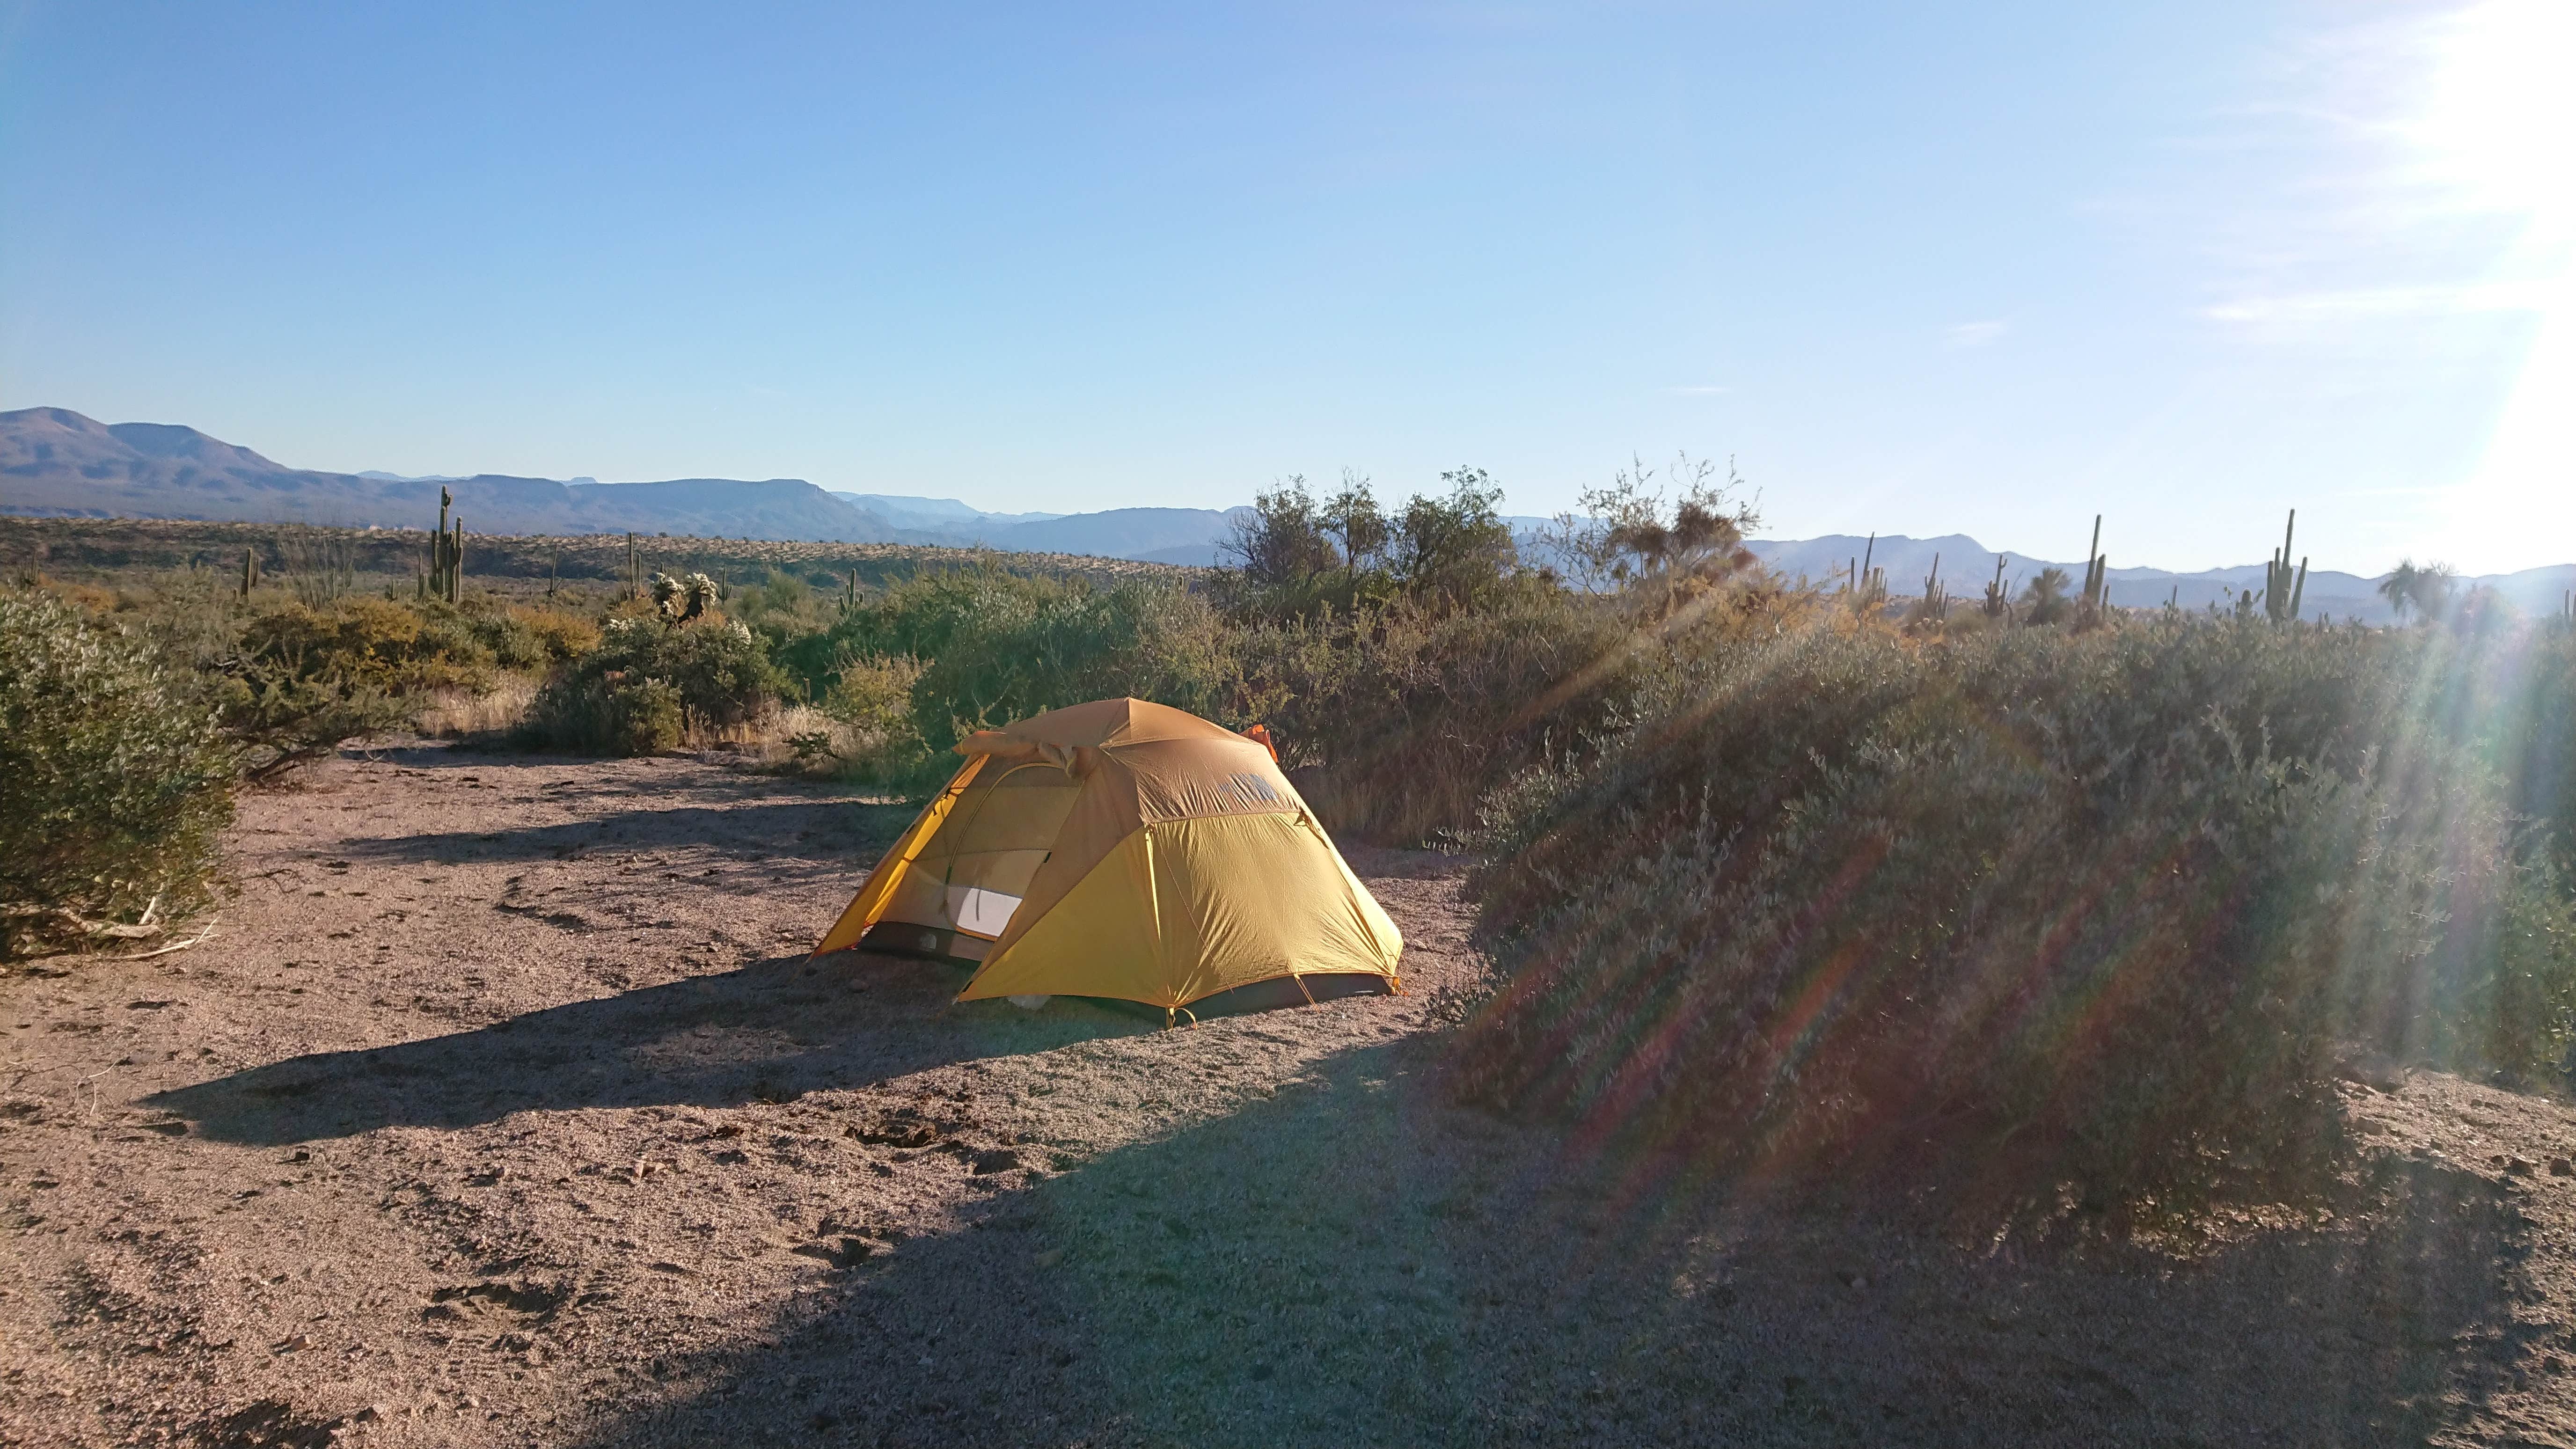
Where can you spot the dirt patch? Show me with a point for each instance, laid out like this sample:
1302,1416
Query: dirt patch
503,1108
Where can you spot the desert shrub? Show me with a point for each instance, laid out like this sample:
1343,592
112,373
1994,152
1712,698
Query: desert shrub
373,639
560,637
993,646
2053,917
652,686
1397,721
304,681
1037,650
876,736
278,721
405,647
114,783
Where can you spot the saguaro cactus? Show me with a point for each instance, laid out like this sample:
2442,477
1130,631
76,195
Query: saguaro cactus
447,554
2282,589
2097,580
1868,587
250,571
1934,606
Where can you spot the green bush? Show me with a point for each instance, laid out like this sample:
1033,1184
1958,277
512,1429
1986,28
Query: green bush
652,686
402,647
306,680
875,736
2051,918
1397,721
995,646
1068,645
114,783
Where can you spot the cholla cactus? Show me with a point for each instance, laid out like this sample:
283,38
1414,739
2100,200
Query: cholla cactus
685,599
699,594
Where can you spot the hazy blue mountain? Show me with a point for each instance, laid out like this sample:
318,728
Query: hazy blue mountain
1161,535
939,515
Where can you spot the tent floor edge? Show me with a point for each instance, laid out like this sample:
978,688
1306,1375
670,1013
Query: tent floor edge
1293,988
924,943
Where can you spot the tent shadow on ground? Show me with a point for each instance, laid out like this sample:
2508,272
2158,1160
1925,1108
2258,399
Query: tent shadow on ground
774,1029
1354,1261
837,831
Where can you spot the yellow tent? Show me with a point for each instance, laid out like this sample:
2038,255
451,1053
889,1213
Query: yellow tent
1124,849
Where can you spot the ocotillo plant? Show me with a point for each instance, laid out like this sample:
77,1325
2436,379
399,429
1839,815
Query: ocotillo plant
2281,590
1998,602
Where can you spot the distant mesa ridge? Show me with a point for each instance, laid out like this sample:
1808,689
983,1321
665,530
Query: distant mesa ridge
57,463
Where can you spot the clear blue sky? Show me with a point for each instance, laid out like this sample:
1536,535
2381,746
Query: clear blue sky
1986,268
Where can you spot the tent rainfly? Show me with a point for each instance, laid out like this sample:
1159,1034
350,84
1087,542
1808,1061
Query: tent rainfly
1129,850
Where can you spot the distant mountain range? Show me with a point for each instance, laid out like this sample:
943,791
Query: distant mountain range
1967,566
56,463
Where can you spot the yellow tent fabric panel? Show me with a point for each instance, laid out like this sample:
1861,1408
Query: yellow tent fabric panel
1184,909
975,870
1101,939
1158,779
1380,925
870,902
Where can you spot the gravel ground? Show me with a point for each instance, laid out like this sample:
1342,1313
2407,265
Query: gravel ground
503,1108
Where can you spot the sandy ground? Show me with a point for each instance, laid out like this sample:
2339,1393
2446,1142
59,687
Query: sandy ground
503,1108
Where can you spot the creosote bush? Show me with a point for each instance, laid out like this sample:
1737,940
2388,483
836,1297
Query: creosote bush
114,782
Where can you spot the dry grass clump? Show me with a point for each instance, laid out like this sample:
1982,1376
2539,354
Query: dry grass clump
454,712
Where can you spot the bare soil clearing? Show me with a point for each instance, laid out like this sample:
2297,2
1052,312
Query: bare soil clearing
503,1108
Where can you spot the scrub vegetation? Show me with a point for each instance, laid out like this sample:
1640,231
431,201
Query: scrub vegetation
2051,912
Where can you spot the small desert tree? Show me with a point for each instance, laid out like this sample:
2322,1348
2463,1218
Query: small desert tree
1455,551
1629,536
1355,522
2043,599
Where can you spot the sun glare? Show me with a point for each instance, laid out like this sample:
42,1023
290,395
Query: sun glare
2497,133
